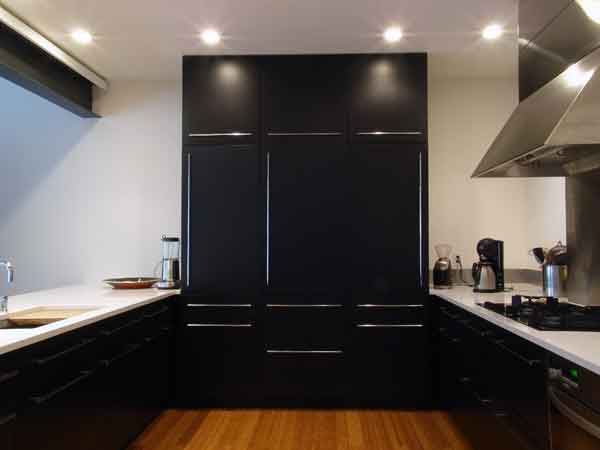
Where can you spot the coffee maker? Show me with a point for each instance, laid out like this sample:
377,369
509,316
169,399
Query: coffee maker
170,277
488,273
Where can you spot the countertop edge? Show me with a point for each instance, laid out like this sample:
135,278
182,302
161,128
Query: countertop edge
107,312
516,329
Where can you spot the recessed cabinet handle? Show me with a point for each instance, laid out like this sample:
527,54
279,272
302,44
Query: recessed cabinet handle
157,313
389,133
121,328
529,362
5,420
82,344
220,325
219,305
232,134
44,398
305,352
389,325
315,133
5,377
130,349
298,305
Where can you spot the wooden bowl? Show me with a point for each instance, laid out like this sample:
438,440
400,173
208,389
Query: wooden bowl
131,282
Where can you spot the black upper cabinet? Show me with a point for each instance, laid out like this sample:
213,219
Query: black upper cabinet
224,213
387,222
388,94
304,94
308,245
566,39
221,99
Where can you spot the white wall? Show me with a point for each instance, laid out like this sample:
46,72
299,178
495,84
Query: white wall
81,199
465,116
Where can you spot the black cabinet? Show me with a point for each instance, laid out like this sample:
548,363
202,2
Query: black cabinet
388,222
308,213
224,218
305,94
491,381
219,355
100,385
221,99
388,98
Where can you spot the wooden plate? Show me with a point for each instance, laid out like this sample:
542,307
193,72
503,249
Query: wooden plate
131,282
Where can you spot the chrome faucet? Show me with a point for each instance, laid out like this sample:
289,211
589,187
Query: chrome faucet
10,276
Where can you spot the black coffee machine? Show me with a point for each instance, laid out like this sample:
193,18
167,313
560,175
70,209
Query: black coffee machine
488,273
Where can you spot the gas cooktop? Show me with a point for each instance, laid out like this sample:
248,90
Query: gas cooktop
547,313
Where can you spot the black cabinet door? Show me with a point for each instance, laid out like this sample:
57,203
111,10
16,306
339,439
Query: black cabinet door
218,364
308,216
388,98
224,218
61,418
387,222
304,94
220,99
389,364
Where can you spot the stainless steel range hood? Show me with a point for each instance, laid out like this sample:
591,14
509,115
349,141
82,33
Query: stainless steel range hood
555,132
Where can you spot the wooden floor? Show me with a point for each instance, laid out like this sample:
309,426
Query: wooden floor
302,430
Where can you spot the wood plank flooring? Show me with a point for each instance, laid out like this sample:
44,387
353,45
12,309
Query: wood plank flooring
265,429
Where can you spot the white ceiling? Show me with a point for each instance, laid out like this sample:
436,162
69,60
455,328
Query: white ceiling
137,39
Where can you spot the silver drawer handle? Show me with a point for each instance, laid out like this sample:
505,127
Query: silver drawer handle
219,305
232,134
319,133
306,352
220,325
370,305
389,133
324,305
389,325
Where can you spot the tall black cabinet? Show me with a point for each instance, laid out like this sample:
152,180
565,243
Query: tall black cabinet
304,230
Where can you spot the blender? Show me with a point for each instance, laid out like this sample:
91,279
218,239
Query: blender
169,278
442,270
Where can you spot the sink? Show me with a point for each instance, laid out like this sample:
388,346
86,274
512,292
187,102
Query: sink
40,316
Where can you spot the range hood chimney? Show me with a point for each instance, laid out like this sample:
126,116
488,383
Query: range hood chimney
554,132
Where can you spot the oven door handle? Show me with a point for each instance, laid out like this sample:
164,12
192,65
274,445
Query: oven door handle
559,400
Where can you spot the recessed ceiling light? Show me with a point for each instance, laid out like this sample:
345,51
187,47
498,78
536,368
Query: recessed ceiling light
81,36
210,36
392,34
491,32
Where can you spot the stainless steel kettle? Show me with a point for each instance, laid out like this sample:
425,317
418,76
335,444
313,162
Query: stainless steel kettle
484,277
554,269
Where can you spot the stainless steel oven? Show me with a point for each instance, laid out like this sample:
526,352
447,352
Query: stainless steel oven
574,398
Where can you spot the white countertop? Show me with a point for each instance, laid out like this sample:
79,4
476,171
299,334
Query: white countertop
109,302
580,347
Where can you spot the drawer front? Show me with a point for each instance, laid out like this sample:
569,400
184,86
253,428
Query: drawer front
11,377
309,327
305,374
214,314
401,314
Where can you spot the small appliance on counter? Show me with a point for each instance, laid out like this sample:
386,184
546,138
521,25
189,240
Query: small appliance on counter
554,269
170,277
442,270
488,273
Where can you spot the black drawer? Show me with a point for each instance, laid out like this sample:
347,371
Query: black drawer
11,383
214,314
405,314
157,316
305,376
305,326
